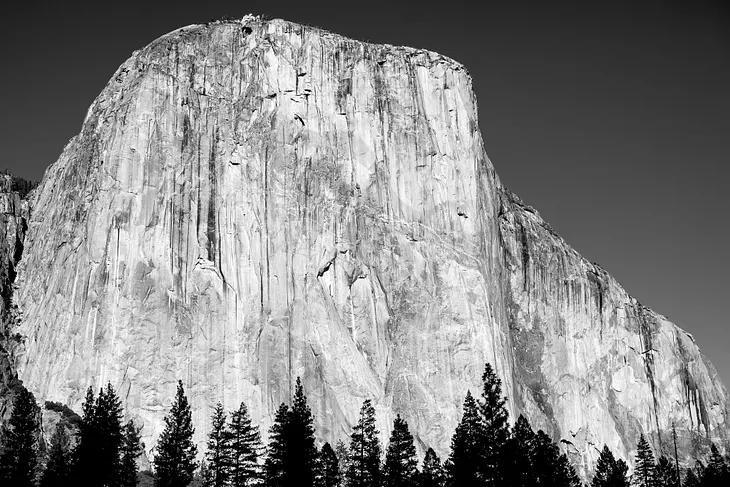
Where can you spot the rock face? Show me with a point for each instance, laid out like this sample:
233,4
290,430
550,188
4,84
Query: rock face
253,201
13,226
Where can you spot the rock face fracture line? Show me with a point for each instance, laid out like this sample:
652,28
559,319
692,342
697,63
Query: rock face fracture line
340,191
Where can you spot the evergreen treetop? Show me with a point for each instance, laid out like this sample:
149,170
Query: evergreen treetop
645,471
329,468
432,473
218,453
19,458
466,447
364,459
401,465
245,449
175,459
130,450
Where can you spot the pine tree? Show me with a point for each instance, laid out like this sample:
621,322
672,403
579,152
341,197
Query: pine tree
495,430
401,465
175,459
58,468
465,447
364,463
609,471
304,462
131,449
277,458
519,453
329,468
245,449
343,458
108,412
86,460
218,454
564,473
19,459
432,474
645,472
666,473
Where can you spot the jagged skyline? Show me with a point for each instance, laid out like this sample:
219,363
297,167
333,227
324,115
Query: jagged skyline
611,122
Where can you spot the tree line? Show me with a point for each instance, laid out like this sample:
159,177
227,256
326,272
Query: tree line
485,451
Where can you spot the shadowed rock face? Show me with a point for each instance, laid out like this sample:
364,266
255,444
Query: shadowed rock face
253,201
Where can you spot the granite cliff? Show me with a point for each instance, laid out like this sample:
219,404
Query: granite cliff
252,201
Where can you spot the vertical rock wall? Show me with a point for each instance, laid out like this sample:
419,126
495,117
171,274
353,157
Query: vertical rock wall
249,202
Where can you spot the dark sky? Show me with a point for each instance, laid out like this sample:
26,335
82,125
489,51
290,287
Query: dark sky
611,118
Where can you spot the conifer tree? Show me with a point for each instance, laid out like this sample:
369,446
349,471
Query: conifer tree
85,455
108,412
432,474
401,465
518,459
19,459
666,473
131,449
645,471
495,430
548,466
343,458
329,468
175,459
304,462
609,471
465,454
218,453
277,458
58,468
245,449
364,462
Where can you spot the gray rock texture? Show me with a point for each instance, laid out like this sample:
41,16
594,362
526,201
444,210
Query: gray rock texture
252,201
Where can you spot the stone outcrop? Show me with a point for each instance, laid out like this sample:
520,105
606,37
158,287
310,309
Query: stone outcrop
13,226
252,201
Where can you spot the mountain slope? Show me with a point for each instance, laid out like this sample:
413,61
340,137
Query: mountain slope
253,201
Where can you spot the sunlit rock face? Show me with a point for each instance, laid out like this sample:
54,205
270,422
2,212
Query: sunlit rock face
13,226
253,201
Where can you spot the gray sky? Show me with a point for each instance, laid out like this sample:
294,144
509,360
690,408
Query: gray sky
612,120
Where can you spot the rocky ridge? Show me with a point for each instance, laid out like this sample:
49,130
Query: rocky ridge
252,201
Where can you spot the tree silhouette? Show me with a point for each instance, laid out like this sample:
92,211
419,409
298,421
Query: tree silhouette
495,430
401,465
364,462
519,455
218,453
19,459
58,468
277,459
666,473
432,474
609,471
304,462
130,450
716,473
645,472
245,449
465,447
329,468
109,433
175,459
